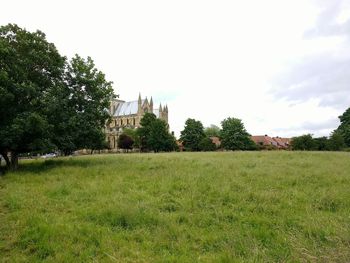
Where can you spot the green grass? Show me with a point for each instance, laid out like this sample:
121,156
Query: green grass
178,207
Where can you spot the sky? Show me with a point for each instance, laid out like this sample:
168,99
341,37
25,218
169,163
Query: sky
280,66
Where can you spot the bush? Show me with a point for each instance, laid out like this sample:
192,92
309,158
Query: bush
207,145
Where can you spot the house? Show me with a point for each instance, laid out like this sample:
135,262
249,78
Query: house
268,142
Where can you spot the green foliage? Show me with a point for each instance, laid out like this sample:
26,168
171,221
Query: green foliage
145,130
212,131
30,68
274,206
125,142
321,144
49,103
154,135
344,127
307,143
85,95
134,135
159,138
234,136
303,143
192,135
336,142
206,145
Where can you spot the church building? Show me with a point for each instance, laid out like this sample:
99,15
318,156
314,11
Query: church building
128,114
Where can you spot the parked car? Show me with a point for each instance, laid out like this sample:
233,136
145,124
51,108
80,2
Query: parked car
49,155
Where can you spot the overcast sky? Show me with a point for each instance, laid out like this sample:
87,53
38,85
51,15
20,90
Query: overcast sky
283,67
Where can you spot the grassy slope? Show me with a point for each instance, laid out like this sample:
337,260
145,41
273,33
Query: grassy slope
178,207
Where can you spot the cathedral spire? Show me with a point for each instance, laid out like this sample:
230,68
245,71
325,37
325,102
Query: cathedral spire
160,107
139,101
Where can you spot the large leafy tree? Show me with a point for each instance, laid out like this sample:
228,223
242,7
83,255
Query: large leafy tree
145,130
80,104
154,135
303,143
47,103
212,131
336,142
344,127
159,138
234,136
192,135
30,69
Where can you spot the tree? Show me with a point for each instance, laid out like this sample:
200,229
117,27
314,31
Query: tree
212,131
47,103
234,136
30,68
159,138
154,135
125,142
79,105
336,141
303,143
206,145
192,135
321,144
144,131
344,127
134,135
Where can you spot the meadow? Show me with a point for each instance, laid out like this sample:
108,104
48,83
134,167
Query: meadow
178,207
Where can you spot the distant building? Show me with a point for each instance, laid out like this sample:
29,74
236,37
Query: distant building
267,141
128,115
216,141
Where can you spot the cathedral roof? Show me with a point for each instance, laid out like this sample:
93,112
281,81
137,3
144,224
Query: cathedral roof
126,108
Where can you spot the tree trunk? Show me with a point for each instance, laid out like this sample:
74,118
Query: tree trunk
7,160
14,161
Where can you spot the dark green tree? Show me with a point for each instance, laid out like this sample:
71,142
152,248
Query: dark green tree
79,107
154,134
321,144
125,142
30,69
212,131
192,135
234,136
144,131
303,143
134,135
344,127
206,145
46,103
159,138
336,141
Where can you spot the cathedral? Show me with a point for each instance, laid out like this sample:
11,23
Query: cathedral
128,114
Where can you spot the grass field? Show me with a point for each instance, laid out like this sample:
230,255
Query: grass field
178,207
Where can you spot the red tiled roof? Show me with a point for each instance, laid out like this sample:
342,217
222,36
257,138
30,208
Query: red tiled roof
263,139
216,140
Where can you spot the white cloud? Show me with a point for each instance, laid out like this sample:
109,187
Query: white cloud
207,59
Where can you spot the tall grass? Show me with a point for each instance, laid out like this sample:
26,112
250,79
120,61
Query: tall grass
178,207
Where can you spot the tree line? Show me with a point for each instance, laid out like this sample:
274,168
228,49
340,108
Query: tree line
153,135
338,140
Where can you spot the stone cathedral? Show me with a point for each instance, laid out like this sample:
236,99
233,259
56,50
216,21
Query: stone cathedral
128,114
